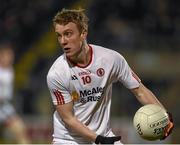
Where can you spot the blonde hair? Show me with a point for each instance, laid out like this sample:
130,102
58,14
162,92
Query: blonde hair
76,16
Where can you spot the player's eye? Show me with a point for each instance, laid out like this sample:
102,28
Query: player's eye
68,34
58,35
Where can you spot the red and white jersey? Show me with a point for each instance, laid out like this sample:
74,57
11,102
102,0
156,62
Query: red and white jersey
6,83
90,88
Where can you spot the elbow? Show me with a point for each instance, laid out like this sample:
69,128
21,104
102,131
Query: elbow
140,96
69,121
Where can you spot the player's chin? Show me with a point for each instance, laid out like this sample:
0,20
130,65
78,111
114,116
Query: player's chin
70,56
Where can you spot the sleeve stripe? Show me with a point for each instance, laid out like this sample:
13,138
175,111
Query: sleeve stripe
135,76
59,97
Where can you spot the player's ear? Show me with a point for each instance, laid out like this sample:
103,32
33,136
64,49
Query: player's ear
84,35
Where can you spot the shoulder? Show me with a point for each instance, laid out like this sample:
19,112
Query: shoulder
56,71
106,53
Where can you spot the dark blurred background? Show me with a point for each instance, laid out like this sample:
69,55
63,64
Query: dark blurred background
146,33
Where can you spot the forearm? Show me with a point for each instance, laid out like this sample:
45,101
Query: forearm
75,125
71,122
85,132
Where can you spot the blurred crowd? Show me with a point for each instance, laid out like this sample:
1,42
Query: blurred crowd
144,31
136,24
23,22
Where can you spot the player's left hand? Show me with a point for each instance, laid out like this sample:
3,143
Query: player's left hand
169,127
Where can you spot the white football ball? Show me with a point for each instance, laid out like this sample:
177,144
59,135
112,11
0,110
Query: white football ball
150,121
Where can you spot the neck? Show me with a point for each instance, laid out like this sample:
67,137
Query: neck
84,56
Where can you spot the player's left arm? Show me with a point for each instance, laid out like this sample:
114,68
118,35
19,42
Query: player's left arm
145,96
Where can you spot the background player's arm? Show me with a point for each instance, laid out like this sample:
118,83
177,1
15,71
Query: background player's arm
145,96
66,113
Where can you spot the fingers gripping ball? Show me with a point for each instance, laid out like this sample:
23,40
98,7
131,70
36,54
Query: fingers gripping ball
169,127
150,122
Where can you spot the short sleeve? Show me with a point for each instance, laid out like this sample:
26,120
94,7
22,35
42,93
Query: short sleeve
58,90
123,72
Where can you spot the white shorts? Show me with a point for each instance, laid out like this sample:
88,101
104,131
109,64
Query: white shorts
6,111
68,142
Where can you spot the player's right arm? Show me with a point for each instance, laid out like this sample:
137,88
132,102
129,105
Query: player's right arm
63,102
65,112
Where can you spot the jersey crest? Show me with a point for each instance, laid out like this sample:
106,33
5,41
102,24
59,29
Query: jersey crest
100,72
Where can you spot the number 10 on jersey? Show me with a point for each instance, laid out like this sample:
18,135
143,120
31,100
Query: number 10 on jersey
86,80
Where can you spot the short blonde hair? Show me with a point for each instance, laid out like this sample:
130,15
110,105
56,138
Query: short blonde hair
76,16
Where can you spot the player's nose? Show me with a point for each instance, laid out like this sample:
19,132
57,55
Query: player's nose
63,40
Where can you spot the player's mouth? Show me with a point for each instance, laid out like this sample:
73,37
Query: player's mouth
66,49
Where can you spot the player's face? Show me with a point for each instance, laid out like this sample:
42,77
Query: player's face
70,39
7,57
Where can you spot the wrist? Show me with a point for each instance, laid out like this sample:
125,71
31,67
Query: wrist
98,139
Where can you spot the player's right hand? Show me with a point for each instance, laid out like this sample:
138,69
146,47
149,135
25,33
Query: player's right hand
106,140
169,127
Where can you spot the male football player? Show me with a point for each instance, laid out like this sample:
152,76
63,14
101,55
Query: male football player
80,83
